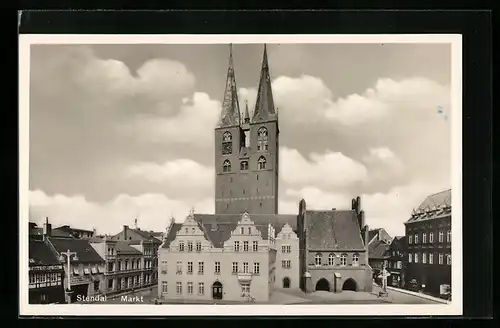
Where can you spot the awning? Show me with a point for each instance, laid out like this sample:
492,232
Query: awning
86,271
76,271
94,270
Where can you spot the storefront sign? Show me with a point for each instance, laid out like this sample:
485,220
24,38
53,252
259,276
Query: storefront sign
46,267
80,280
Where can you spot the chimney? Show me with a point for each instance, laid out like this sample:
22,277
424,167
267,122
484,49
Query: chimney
125,232
353,207
47,229
367,229
302,206
358,205
94,232
361,219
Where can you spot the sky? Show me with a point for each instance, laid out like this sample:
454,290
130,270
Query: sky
127,130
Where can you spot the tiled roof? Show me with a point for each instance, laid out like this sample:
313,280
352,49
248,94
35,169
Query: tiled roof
372,233
433,207
442,199
62,232
41,254
218,227
123,247
333,230
146,235
378,250
85,252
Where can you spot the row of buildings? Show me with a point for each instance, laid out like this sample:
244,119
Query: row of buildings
93,265
420,260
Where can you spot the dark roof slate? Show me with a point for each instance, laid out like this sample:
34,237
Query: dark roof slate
85,252
378,250
41,254
146,235
333,230
123,247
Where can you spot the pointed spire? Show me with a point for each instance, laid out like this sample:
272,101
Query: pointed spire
264,106
230,114
246,118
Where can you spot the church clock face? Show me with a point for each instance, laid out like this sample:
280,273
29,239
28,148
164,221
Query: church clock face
227,148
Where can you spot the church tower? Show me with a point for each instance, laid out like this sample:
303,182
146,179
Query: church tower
247,150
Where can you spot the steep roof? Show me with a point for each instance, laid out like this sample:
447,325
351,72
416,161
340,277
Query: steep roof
264,106
41,254
146,235
372,233
218,227
333,230
123,247
230,114
433,207
378,250
85,252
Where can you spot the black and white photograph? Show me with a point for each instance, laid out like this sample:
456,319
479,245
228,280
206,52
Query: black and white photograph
311,175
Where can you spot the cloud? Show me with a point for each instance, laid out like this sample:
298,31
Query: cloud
153,211
330,169
383,164
317,199
181,178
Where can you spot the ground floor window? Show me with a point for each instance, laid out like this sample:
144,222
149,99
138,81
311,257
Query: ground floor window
245,290
201,288
190,287
179,288
164,287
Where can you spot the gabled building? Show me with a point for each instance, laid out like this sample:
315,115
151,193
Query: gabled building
378,256
428,240
379,235
66,231
397,257
46,275
334,249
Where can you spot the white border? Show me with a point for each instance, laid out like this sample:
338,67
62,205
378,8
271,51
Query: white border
454,308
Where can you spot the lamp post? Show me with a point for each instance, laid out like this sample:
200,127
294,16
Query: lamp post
68,255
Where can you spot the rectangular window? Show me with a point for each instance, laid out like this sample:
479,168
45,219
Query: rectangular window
440,258
400,265
217,267
256,267
255,246
164,287
245,246
190,288
190,268
286,249
245,290
409,257
245,267
200,268
441,236
198,246
235,267
286,264
416,238
416,257
201,288
110,283
410,240
448,236
181,247
424,238
179,288
431,258
164,269
424,258
190,246
431,237
448,259
179,267
236,246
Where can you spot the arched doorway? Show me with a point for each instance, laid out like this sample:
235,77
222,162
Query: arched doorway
323,284
217,291
286,282
350,284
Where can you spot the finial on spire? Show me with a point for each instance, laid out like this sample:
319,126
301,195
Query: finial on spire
246,118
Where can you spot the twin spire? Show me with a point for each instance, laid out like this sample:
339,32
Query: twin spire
264,106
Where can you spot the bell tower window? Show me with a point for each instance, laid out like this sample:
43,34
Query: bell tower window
226,166
227,143
261,163
262,139
244,166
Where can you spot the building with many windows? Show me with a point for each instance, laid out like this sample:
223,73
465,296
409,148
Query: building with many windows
126,266
396,260
231,261
287,267
428,237
46,275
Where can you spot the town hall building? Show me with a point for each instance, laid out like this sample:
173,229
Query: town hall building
246,249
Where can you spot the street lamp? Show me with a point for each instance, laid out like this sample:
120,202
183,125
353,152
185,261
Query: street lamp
68,255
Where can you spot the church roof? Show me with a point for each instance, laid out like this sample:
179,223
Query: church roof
218,227
333,230
264,106
230,114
